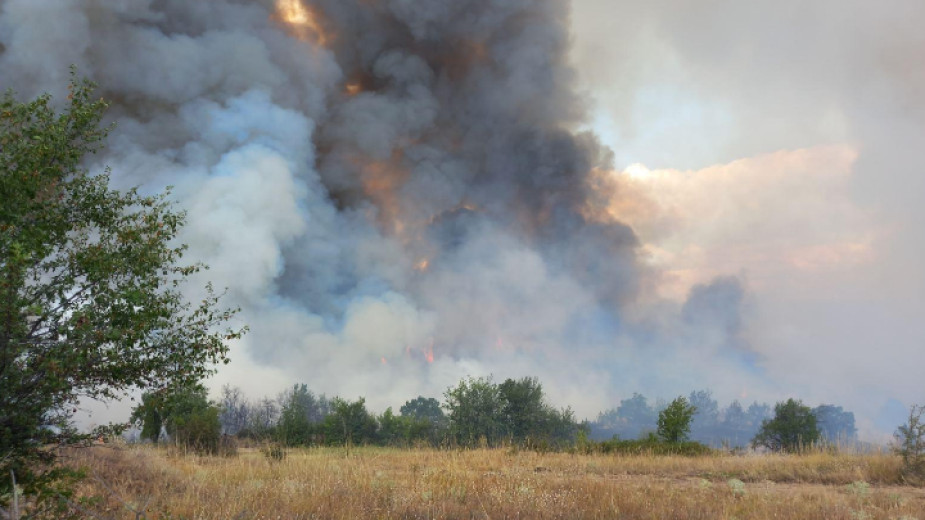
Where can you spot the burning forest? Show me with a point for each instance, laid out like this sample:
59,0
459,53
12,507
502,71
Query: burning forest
396,194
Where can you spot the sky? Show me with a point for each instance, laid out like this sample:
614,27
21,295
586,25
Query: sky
612,196
779,142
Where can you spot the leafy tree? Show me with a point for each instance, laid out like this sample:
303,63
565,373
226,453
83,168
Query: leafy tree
150,415
186,415
674,422
734,416
424,408
635,416
523,410
792,428
349,423
261,420
834,423
90,283
235,411
423,420
910,443
300,411
707,415
757,413
475,411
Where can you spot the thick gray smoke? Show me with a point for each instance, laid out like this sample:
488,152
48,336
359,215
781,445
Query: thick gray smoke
393,191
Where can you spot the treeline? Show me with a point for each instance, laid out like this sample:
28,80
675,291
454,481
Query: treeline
476,412
732,426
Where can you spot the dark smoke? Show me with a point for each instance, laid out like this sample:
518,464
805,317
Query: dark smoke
404,179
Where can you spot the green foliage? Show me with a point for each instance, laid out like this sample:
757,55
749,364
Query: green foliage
910,444
674,422
648,445
522,408
90,283
423,408
185,413
474,408
274,452
349,423
792,429
300,416
513,411
150,415
835,424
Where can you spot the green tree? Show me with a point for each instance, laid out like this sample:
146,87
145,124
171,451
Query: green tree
184,413
835,424
149,414
475,411
522,409
910,443
349,423
424,421
792,428
674,422
424,408
300,413
90,284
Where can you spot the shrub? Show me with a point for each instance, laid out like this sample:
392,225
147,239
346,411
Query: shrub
792,429
910,444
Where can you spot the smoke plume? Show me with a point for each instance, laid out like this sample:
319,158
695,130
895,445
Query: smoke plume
396,193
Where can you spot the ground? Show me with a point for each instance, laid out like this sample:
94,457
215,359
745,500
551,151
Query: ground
144,482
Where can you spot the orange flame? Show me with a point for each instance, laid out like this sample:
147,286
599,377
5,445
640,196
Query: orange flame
381,181
304,20
353,88
429,353
422,266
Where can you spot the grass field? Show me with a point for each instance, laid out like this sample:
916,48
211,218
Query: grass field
143,482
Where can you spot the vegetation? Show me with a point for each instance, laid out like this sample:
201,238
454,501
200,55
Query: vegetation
674,422
184,414
90,287
482,412
910,444
494,483
792,429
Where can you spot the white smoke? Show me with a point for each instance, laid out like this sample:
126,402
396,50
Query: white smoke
388,242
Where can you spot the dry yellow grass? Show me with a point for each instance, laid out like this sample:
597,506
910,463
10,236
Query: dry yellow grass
387,483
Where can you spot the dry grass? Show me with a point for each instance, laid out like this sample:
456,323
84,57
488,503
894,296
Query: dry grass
386,483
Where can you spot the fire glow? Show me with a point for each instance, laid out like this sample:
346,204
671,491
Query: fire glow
295,14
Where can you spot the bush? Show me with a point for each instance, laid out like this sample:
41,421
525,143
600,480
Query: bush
792,429
650,445
674,422
186,415
910,444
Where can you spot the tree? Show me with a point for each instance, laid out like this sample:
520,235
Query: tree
184,413
636,416
349,423
261,420
792,428
300,412
149,414
423,420
757,413
523,410
91,281
910,443
674,422
235,411
835,424
475,411
707,415
423,408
